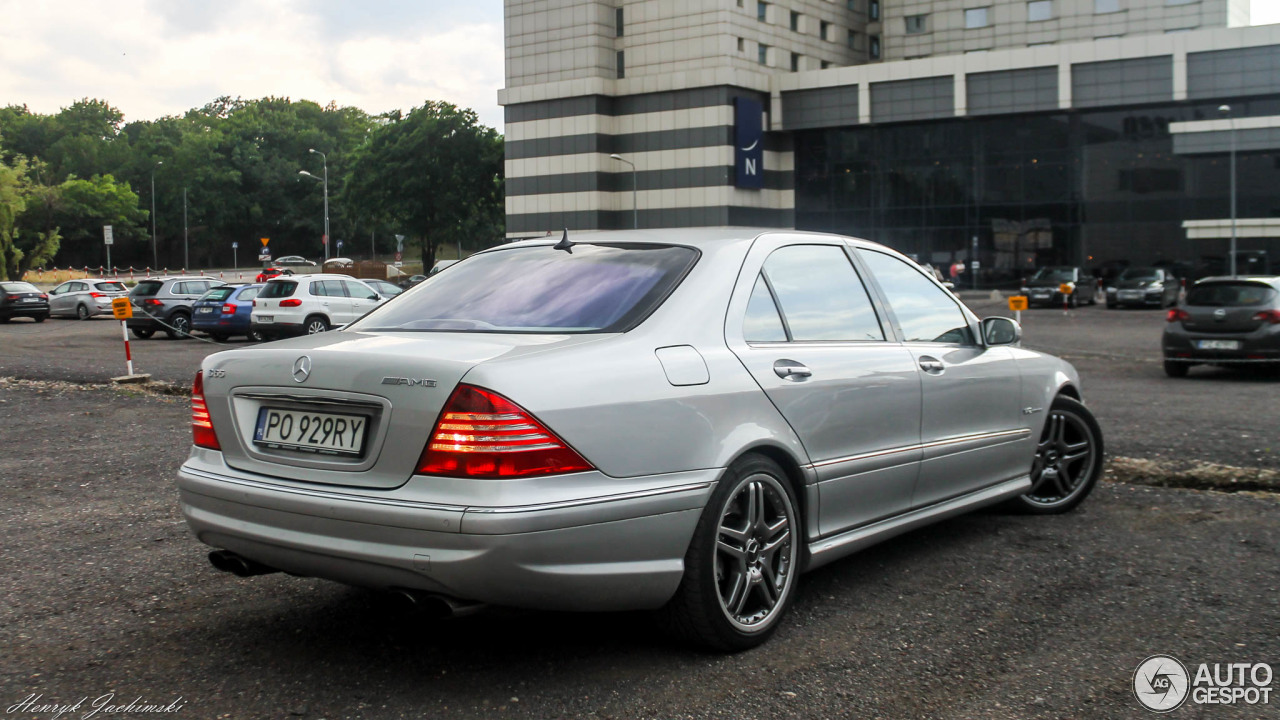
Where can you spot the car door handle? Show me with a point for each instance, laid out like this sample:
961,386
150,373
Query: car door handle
791,370
932,365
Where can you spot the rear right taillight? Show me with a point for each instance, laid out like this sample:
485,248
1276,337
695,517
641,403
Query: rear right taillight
291,302
1176,315
481,434
228,309
201,424
1270,316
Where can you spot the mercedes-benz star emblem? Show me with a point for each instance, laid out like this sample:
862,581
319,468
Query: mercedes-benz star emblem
302,369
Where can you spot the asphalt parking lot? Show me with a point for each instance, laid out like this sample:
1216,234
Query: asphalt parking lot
989,615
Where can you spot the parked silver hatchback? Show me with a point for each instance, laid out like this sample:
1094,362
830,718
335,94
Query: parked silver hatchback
680,420
86,298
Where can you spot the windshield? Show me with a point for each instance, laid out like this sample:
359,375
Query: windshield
19,287
1230,294
1141,274
596,288
147,288
1056,274
282,288
111,286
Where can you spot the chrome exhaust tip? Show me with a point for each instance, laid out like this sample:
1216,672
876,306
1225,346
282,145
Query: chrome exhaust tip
227,561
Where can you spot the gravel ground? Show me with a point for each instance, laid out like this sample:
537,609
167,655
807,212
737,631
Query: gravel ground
988,615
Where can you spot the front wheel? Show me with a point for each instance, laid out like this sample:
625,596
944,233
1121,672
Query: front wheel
1067,462
255,336
742,565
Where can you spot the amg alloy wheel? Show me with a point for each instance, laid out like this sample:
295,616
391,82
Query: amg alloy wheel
1068,460
742,566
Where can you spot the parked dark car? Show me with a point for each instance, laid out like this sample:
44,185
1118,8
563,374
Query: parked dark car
20,299
164,303
224,311
408,282
1042,288
1227,321
1144,287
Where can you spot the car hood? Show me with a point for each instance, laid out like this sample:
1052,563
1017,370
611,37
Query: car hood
1134,284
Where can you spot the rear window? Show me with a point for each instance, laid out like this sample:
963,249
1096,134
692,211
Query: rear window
147,288
19,287
1230,294
596,288
111,286
218,294
284,288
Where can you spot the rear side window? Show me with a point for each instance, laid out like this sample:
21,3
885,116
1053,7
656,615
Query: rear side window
281,289
328,288
111,286
819,294
1230,294
147,288
596,288
218,294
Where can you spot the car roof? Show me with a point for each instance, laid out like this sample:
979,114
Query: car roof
1272,280
699,237
313,276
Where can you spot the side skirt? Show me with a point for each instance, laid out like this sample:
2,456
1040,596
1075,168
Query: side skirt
826,550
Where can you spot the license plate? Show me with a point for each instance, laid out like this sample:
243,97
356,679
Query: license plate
1040,294
30,299
314,432
1130,294
204,310
1218,344
266,318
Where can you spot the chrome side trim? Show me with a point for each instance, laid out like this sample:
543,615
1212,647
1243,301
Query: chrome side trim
924,446
826,550
306,399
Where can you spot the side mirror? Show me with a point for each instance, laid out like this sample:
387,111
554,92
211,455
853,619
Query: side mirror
374,297
1001,331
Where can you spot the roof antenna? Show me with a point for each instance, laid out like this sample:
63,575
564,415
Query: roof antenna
565,243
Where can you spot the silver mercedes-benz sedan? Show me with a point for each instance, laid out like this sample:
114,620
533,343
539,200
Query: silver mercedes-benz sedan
681,420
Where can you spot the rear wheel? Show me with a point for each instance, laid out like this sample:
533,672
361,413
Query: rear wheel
40,318
1067,462
179,326
316,324
742,564
142,333
82,312
1176,369
255,336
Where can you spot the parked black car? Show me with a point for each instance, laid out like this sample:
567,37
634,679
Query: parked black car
20,299
1042,288
1145,287
1228,321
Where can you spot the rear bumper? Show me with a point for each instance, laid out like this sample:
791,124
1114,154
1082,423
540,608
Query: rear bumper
33,310
217,323
623,551
1259,347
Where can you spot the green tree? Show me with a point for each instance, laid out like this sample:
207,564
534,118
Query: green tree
28,237
85,206
435,172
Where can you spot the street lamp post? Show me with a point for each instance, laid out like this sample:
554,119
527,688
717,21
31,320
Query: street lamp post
1226,110
635,213
186,260
325,159
155,262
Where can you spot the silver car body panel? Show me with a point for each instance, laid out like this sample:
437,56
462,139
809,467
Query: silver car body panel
659,411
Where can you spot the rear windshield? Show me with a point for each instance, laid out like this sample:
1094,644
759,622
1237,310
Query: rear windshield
284,288
596,288
218,294
111,286
147,288
19,287
1230,294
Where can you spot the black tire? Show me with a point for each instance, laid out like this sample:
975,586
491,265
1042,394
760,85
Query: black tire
1067,462
1111,306
82,313
1176,369
256,336
179,326
4,319
753,487
40,318
316,324
1073,301
142,333
218,337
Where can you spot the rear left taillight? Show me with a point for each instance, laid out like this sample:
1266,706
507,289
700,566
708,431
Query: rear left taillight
1176,315
291,302
228,309
153,302
481,434
1270,316
44,296
201,425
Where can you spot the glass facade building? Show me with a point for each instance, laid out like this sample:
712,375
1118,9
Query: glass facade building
1081,187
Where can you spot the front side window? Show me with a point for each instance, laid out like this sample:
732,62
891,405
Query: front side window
63,288
976,18
820,295
596,288
924,311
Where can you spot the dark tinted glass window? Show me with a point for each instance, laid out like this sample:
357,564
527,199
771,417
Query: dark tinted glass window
820,294
925,312
1230,294
218,294
596,288
280,289
147,288
111,286
762,323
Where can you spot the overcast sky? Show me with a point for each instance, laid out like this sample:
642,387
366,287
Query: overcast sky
151,58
